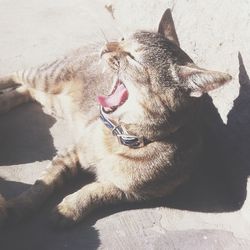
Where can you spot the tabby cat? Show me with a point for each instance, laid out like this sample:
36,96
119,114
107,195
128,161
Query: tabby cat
141,140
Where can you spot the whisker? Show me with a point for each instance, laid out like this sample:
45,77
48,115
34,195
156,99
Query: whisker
108,23
104,36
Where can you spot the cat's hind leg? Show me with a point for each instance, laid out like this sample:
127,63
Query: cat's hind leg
43,84
13,98
13,91
10,81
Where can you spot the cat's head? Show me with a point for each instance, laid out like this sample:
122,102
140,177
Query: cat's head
156,82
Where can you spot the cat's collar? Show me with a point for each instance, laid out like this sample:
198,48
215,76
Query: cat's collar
125,139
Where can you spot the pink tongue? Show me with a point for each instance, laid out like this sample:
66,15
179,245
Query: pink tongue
116,99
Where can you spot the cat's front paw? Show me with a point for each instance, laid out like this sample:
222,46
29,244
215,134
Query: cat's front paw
66,214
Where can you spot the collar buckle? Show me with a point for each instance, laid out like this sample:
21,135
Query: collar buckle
131,141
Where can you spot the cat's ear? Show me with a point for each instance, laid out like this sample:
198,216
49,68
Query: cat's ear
200,80
167,28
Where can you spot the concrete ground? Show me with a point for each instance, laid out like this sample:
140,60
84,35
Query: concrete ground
209,212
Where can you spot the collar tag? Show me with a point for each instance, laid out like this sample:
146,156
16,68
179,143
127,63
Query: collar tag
125,139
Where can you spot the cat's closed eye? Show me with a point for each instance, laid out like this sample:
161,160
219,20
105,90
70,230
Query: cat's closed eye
130,55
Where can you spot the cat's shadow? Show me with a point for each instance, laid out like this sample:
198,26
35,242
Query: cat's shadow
220,181
37,232
25,136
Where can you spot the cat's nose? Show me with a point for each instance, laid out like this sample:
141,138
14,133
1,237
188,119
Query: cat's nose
110,47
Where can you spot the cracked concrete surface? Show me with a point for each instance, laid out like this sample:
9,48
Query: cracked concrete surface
209,212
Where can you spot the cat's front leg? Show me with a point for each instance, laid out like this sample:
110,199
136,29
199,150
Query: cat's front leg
62,167
80,204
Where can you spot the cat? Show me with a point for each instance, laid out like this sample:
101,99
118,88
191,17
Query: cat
141,141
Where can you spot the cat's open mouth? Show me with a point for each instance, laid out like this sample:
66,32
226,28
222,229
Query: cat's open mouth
115,99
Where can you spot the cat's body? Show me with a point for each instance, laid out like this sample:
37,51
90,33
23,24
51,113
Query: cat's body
151,100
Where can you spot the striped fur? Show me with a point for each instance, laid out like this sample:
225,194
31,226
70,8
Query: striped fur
160,79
